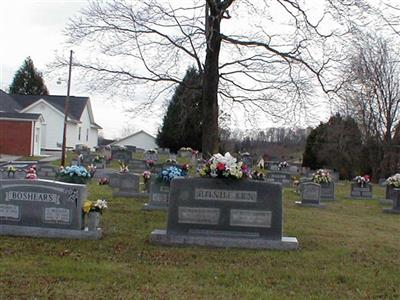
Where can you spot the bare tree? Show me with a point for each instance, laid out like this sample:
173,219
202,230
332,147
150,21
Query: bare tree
263,56
372,94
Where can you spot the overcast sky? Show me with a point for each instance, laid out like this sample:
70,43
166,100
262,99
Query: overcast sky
35,28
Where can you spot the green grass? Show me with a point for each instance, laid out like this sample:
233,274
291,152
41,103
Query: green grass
349,250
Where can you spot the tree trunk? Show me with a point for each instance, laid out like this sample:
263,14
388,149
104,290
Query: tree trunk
210,85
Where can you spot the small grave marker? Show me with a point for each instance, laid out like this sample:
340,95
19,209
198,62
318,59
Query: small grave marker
359,192
310,195
159,195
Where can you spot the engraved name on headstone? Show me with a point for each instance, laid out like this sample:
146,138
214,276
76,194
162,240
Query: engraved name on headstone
55,215
225,195
250,218
9,212
198,215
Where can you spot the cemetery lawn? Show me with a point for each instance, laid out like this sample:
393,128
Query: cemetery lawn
348,250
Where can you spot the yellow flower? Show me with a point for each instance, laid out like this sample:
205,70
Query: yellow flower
87,206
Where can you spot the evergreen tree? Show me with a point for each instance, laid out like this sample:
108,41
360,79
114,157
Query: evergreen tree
337,145
182,126
28,81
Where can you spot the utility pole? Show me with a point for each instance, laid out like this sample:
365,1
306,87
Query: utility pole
64,143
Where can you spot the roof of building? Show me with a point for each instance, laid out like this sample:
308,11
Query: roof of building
19,116
7,103
75,108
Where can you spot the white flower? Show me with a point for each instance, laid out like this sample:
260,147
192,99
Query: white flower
227,159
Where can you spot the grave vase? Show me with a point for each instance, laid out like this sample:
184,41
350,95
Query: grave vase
93,220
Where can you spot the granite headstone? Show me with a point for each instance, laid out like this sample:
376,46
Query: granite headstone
361,191
310,195
159,194
222,213
43,208
129,186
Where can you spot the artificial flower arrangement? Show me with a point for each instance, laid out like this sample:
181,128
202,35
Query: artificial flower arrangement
98,159
322,176
186,149
123,167
195,152
257,175
11,170
224,166
73,174
146,176
149,163
394,180
98,206
171,161
361,180
31,173
283,164
104,181
91,169
167,174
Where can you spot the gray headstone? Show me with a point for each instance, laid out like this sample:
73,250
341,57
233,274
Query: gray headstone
151,156
280,177
159,195
328,191
43,208
128,186
186,154
358,191
395,209
122,155
137,166
216,212
390,193
46,172
310,193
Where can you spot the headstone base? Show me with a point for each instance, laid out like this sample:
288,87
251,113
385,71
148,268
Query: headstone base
161,237
317,205
149,206
359,198
130,194
391,211
386,202
54,233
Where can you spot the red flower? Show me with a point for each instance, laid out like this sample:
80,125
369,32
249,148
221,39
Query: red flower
220,167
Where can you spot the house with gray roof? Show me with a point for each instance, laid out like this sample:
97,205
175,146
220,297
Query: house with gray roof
81,126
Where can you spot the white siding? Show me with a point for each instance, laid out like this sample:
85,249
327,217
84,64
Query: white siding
140,140
92,140
53,128
37,138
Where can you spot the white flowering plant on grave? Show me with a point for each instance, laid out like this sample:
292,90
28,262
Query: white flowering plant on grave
361,180
394,181
322,176
225,166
